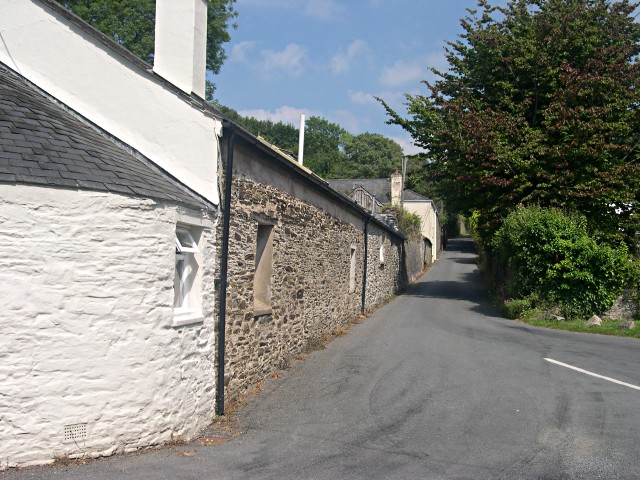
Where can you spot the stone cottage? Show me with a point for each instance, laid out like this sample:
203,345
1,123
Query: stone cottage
303,259
122,274
373,194
108,212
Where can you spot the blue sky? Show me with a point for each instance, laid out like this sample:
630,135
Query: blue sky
330,57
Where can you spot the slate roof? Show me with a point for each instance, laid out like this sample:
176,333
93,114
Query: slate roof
42,143
378,187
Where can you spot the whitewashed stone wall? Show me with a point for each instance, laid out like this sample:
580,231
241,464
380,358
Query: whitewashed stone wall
430,227
86,311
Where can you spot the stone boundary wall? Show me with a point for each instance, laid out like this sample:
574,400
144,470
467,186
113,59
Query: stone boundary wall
91,364
310,287
384,278
625,307
282,212
414,258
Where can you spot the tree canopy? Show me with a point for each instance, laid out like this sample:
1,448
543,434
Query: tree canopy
369,155
539,107
330,151
131,23
324,145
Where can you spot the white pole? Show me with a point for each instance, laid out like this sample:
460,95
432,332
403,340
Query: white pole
301,140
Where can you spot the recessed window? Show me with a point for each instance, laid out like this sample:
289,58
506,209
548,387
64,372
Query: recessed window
263,275
381,251
352,270
187,306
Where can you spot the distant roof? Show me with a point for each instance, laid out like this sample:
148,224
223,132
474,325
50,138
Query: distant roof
411,195
43,143
378,187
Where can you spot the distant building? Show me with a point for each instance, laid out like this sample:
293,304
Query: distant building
372,194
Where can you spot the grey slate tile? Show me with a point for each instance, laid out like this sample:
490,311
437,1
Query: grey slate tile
42,143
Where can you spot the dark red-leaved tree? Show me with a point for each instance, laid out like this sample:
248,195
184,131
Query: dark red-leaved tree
540,106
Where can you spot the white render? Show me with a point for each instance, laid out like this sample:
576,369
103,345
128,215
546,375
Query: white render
180,43
87,337
129,102
426,211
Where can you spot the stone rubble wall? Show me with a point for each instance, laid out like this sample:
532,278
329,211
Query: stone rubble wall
384,279
86,312
625,307
414,259
310,279
310,290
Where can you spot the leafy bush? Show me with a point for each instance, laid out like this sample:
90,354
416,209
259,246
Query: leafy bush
515,308
408,223
550,255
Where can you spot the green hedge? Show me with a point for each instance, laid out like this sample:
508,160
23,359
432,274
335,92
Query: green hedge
549,257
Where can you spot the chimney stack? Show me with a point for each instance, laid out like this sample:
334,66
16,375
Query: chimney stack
396,188
181,43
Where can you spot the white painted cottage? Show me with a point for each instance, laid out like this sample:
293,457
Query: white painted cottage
108,207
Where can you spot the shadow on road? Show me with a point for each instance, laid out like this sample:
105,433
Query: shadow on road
468,285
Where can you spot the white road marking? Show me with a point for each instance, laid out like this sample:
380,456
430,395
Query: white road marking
608,379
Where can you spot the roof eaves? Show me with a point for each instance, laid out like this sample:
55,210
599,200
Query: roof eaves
198,201
307,174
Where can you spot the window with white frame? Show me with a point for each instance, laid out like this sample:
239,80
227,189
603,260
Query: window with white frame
186,284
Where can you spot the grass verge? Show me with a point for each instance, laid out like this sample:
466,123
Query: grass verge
608,327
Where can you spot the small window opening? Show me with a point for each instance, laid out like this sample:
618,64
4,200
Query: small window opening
352,270
263,276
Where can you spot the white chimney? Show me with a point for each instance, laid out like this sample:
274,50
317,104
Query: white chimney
396,188
181,43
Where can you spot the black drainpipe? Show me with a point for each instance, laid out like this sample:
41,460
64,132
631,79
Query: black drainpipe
365,262
223,275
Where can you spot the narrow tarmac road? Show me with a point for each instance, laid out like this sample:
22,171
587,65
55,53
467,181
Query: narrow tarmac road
434,385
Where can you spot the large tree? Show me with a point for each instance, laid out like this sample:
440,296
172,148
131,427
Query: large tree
539,107
131,23
368,155
323,145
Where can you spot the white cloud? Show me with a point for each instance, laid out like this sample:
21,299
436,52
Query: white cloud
240,50
284,114
404,72
342,61
407,145
350,121
361,98
394,99
290,60
323,9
